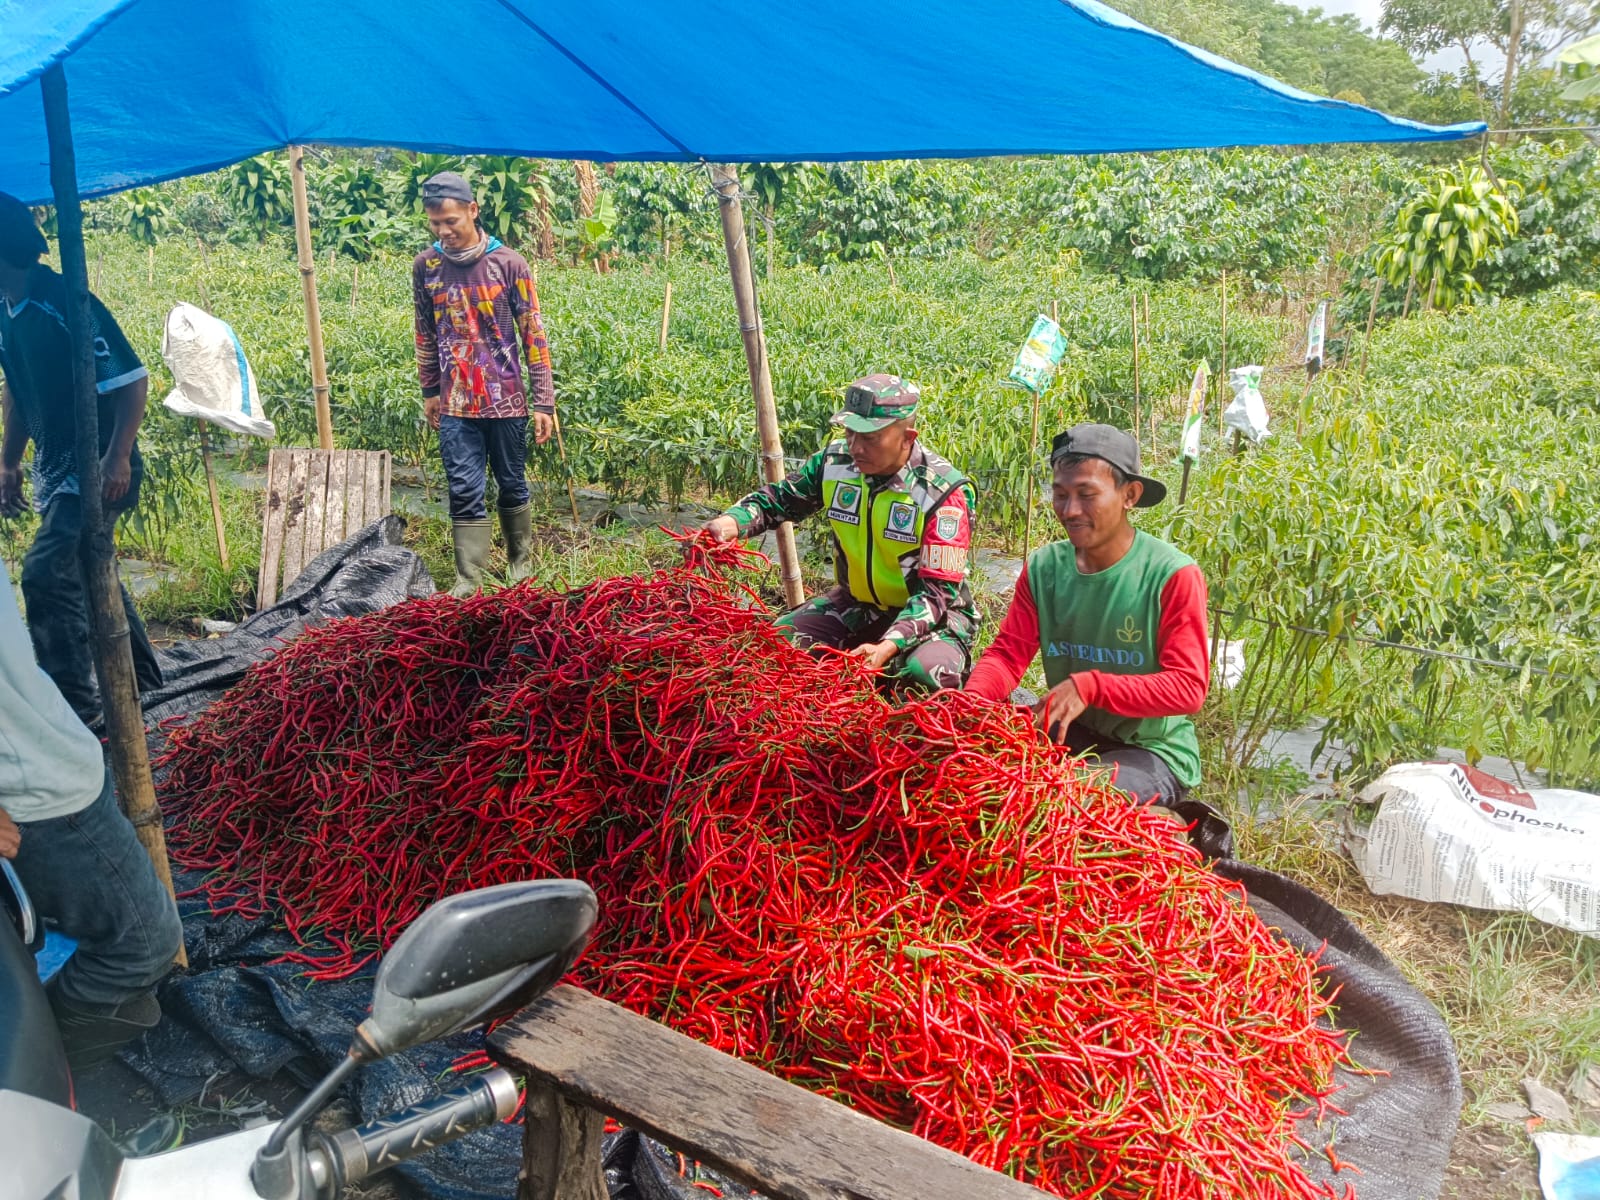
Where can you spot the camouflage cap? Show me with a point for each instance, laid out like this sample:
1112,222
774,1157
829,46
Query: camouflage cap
877,401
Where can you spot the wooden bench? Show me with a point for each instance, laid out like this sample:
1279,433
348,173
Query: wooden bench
586,1059
316,499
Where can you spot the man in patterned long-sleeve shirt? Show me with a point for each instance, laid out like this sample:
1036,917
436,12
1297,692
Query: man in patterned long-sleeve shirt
901,519
477,320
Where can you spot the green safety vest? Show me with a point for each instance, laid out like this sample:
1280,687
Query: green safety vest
1107,622
876,527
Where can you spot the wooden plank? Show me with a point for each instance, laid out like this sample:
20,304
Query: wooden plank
383,495
336,485
768,1134
294,515
272,529
316,504
375,490
560,1149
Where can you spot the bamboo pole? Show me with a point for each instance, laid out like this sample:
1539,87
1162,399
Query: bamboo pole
561,445
1222,373
308,285
113,654
211,487
1372,315
1136,397
725,181
1411,290
1032,499
666,318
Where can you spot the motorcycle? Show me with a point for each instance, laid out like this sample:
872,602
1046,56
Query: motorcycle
468,959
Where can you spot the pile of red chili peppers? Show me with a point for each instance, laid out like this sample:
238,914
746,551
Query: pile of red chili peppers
921,909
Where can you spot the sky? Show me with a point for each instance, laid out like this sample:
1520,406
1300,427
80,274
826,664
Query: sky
1371,11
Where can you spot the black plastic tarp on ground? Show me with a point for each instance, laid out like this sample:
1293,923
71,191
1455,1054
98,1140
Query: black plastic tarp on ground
234,1009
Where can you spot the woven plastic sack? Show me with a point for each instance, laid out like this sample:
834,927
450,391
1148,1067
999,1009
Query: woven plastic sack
212,380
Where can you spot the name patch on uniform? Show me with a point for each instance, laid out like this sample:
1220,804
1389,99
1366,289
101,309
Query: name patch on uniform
902,525
846,499
945,540
944,561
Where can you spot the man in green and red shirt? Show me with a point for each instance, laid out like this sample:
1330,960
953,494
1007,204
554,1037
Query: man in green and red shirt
901,520
1120,618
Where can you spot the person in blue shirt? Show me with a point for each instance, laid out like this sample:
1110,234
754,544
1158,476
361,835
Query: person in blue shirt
39,406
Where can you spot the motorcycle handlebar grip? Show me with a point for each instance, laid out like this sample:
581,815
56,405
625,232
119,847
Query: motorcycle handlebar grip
351,1155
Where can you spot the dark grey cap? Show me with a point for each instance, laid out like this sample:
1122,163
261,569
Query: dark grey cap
1117,448
447,185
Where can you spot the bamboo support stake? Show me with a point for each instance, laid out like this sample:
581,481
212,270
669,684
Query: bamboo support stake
1411,289
1372,315
211,488
308,285
113,655
666,318
355,284
150,265
1031,500
1136,396
566,466
1222,373
725,181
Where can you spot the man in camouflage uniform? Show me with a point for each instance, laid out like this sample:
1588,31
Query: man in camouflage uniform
901,519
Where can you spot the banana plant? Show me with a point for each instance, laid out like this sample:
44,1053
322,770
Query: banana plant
1441,235
594,238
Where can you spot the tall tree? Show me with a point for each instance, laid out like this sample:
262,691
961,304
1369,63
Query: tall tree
1522,32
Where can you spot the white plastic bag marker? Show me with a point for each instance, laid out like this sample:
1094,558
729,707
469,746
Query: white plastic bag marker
1247,411
211,378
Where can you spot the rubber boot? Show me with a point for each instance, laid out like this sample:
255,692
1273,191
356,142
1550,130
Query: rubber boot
517,525
472,554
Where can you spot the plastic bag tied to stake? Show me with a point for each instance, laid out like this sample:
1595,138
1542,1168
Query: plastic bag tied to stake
1040,355
1247,411
1189,450
212,380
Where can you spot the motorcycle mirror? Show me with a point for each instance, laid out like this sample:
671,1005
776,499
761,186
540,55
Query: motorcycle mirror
473,957
469,958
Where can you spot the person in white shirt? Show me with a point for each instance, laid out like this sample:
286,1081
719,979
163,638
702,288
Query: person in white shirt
78,857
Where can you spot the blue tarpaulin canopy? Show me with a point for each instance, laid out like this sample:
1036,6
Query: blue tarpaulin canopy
163,88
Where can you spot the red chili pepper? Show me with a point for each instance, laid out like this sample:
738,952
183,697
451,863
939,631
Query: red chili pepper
923,909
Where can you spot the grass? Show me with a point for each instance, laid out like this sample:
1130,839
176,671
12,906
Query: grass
201,587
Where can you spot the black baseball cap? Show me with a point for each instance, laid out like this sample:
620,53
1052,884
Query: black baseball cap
1117,448
446,185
